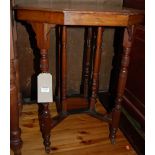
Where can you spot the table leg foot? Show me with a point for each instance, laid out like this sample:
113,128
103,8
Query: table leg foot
112,135
17,151
47,144
16,142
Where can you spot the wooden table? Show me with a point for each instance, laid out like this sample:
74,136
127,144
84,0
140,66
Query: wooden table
42,16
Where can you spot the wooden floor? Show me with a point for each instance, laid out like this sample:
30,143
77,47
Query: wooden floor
78,134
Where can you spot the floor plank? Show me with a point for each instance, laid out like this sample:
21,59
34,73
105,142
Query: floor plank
77,134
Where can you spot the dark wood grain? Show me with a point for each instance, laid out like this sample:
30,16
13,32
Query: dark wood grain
42,37
58,33
134,96
46,14
16,61
64,67
137,4
78,13
15,132
68,5
96,68
132,121
87,60
127,42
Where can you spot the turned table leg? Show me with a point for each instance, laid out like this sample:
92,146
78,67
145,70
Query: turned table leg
58,69
96,68
87,58
16,63
15,132
43,39
43,112
64,68
127,42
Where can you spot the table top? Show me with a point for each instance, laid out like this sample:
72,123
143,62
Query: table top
77,12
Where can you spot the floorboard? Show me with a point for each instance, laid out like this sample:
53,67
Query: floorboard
78,134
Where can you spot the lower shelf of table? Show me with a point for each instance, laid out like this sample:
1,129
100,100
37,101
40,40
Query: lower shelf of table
78,105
